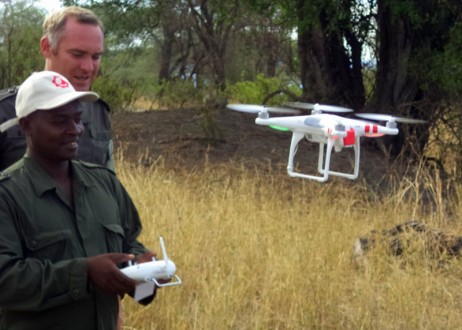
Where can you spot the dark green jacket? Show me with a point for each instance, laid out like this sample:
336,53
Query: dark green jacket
95,144
44,240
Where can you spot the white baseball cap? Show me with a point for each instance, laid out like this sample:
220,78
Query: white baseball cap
45,90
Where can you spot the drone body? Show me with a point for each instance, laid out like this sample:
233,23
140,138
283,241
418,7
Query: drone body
330,131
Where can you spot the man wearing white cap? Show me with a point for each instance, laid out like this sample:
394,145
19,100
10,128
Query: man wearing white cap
65,225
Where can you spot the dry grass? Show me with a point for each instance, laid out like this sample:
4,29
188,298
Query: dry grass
259,250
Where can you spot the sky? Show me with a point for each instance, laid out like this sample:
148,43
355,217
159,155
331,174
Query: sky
49,5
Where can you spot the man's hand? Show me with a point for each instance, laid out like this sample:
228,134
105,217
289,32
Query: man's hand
145,257
103,271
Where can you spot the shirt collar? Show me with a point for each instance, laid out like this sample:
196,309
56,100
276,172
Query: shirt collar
42,182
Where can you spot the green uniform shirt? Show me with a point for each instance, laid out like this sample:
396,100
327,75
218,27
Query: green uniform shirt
95,144
44,240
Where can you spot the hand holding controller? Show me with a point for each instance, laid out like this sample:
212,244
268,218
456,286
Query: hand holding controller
161,272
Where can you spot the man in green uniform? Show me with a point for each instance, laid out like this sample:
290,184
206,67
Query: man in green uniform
66,226
72,45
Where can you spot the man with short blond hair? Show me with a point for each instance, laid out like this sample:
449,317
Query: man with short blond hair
54,23
72,45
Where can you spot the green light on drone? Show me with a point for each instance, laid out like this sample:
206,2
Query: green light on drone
279,128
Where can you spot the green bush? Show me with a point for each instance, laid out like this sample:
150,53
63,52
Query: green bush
119,96
176,94
255,92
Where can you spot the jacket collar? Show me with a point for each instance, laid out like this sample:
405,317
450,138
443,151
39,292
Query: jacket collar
41,180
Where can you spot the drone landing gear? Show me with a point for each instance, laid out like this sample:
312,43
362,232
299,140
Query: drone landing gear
323,164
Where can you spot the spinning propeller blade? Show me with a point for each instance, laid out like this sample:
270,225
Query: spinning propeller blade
331,108
384,117
253,108
317,106
300,105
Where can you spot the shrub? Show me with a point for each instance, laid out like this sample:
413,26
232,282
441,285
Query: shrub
119,96
177,94
255,92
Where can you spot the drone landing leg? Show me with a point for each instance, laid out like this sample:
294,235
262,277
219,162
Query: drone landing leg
356,148
321,158
296,137
343,175
325,171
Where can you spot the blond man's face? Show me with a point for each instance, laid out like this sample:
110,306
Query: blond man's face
78,55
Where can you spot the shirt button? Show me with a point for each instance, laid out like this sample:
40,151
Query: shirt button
76,293
34,243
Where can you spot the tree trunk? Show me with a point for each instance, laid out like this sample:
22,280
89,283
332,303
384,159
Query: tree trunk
406,47
166,52
329,74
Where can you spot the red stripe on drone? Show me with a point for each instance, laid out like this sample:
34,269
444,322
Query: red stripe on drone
368,129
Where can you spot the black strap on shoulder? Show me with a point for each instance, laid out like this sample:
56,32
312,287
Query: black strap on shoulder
105,104
4,177
4,93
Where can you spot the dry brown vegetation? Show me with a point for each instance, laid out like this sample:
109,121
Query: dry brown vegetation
256,249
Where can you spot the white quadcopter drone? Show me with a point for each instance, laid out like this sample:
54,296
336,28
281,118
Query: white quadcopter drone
330,131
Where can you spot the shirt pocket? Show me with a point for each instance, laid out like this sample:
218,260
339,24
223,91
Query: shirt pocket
115,236
48,245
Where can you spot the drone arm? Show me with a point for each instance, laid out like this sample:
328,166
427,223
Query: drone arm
374,130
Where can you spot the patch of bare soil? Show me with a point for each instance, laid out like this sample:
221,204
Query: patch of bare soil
179,138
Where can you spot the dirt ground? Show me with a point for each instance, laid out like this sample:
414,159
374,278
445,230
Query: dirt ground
179,139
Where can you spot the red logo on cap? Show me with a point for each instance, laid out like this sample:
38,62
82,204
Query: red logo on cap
60,82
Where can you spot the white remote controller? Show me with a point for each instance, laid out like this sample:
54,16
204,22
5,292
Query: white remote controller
154,270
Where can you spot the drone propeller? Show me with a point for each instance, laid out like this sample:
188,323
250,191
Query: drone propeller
317,107
253,108
390,118
300,105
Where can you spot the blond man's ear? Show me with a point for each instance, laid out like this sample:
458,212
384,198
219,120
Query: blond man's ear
45,47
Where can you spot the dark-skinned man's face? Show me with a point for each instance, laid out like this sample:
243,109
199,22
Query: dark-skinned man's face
54,134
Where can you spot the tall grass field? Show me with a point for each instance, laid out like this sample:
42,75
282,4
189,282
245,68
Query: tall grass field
256,249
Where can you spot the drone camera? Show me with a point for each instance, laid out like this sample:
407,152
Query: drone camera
340,128
391,124
263,115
